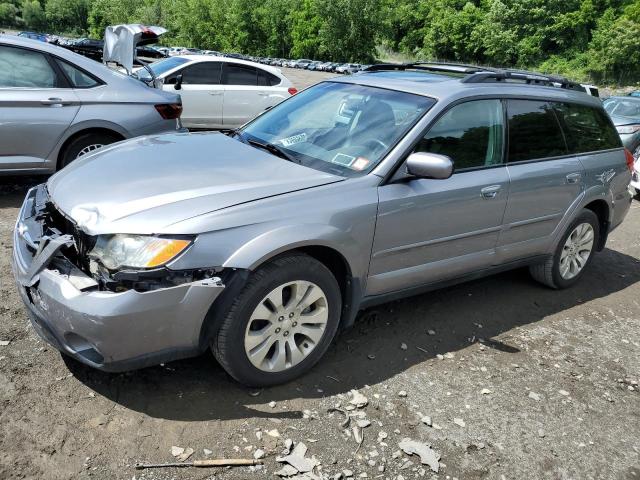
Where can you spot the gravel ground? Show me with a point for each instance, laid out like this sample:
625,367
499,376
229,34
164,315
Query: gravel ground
519,382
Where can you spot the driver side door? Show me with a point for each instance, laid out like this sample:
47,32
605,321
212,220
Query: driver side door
433,230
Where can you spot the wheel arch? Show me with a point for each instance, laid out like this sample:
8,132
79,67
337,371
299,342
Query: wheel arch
602,210
112,130
337,263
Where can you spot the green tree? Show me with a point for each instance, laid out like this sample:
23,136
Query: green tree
67,15
33,15
305,30
8,14
614,52
349,30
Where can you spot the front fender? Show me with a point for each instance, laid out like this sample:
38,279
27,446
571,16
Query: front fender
285,238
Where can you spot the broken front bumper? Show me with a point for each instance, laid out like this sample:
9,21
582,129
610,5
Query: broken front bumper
106,330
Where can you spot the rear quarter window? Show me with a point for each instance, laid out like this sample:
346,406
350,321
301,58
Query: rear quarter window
587,129
266,79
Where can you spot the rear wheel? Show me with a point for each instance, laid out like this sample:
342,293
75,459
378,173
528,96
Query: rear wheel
282,322
84,145
573,254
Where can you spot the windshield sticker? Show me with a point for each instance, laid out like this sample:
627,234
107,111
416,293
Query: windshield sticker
343,159
360,164
289,141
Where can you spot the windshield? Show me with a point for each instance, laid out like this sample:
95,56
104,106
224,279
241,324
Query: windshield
162,66
623,107
339,128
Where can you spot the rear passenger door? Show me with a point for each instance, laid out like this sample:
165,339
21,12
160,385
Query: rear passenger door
248,91
201,93
242,101
35,101
546,180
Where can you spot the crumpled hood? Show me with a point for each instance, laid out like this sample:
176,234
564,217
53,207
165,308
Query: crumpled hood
149,183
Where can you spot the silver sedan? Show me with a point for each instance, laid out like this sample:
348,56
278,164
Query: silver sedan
57,106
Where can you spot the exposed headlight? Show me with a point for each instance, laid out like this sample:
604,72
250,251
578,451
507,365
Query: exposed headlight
137,251
628,129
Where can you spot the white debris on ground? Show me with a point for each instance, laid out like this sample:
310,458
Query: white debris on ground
358,399
181,453
297,463
427,455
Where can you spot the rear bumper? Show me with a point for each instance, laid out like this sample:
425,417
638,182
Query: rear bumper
106,330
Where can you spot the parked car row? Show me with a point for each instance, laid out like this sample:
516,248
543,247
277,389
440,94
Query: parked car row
306,64
302,63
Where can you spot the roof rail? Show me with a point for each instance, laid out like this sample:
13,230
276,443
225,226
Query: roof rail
428,66
482,74
529,78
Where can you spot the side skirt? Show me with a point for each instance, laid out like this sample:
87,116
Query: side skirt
371,301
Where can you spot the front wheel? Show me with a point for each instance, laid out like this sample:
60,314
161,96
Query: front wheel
573,254
282,322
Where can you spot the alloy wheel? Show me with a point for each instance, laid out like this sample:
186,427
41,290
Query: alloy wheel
576,251
89,149
286,326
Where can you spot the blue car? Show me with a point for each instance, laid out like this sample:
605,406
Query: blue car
41,37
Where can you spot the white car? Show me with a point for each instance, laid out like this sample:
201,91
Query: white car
635,177
220,92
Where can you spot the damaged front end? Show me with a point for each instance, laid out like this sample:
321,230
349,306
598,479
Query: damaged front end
112,319
54,241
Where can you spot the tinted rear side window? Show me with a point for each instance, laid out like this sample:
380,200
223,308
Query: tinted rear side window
236,74
534,131
204,73
587,129
266,79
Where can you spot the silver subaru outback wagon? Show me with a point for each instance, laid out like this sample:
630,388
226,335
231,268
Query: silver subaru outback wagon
263,243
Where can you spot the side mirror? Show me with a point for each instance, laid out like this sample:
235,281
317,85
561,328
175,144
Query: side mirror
429,165
178,84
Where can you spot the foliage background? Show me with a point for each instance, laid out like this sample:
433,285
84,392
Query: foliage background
598,40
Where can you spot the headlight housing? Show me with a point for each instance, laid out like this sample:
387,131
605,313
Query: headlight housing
627,129
137,251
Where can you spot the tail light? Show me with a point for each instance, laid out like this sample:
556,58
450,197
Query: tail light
630,159
292,90
169,111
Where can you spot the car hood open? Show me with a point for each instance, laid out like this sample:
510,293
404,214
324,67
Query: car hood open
149,183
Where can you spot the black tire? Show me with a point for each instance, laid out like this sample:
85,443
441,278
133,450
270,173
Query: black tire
79,143
548,273
228,344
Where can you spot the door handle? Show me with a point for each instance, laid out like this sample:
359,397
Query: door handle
490,191
54,102
215,94
574,177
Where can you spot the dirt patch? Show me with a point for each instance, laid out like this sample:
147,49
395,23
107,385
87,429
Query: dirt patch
518,381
